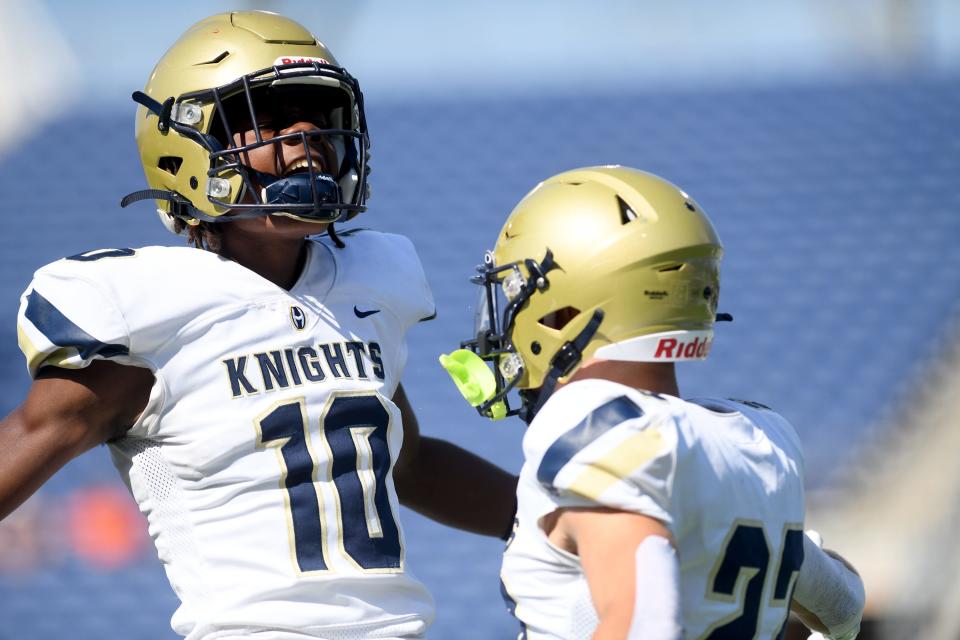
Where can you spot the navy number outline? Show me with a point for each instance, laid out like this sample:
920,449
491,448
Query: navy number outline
354,432
746,557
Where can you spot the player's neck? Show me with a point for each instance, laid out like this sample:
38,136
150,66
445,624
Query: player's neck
658,377
277,259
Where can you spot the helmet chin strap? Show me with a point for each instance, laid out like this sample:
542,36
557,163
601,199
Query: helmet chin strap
276,190
561,364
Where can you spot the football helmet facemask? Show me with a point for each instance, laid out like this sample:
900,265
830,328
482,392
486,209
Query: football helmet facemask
250,71
606,262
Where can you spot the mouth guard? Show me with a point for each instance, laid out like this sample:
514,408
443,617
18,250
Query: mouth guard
474,380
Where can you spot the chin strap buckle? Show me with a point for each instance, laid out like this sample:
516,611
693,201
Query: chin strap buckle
163,110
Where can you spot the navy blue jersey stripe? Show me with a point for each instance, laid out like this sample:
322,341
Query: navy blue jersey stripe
597,423
62,332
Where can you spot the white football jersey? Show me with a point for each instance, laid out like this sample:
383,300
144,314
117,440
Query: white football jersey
264,459
726,477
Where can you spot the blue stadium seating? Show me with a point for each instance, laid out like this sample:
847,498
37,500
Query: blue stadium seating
838,205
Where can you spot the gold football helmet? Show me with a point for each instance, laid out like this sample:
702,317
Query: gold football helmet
606,262
231,73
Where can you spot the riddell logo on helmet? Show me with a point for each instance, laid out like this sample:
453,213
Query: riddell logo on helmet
297,60
675,349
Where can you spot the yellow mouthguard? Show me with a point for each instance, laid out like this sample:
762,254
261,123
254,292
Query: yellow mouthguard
474,379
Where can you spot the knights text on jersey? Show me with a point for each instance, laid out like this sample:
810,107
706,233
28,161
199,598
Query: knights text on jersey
264,459
725,477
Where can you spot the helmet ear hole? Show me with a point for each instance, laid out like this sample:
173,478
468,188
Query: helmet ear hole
560,318
170,164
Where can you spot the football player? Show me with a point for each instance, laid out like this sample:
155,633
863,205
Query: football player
249,385
641,514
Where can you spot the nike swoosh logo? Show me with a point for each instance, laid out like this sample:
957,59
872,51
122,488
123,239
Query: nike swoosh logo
364,314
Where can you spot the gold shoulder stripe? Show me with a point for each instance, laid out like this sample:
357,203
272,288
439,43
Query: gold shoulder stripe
31,352
35,358
629,455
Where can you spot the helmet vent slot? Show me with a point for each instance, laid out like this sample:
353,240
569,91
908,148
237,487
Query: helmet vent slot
560,318
170,164
673,267
220,58
627,215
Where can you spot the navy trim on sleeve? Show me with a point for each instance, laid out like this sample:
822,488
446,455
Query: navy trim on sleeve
512,609
597,423
62,332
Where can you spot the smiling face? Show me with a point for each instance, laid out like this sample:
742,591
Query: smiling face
281,111
277,112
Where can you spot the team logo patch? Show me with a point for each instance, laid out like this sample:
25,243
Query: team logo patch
298,317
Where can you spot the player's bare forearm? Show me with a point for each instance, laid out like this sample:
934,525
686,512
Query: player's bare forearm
451,485
66,413
457,488
29,455
631,568
611,628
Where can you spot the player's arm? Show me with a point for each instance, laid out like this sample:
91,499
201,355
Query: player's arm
66,412
829,595
631,568
451,485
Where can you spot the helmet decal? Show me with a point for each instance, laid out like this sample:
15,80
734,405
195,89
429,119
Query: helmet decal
284,60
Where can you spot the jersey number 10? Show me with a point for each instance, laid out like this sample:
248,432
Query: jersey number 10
353,430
